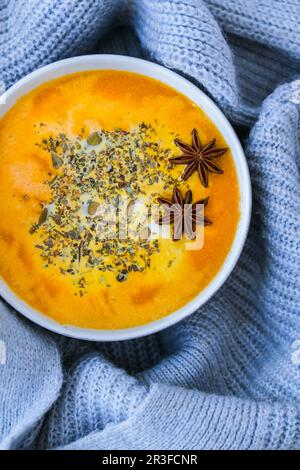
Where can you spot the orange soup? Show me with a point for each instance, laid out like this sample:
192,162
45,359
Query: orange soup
95,170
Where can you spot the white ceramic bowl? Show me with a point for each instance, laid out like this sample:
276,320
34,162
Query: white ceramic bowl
94,62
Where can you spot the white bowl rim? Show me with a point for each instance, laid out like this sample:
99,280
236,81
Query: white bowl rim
181,84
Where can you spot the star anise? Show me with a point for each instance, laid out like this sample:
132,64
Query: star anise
198,158
182,214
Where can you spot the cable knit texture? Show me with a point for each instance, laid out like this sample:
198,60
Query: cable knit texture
228,377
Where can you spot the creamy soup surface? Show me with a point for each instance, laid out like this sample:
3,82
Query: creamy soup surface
104,139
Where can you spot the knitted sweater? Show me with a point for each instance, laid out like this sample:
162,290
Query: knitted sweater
228,377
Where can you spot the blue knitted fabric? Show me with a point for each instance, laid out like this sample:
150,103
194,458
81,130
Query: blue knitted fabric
229,376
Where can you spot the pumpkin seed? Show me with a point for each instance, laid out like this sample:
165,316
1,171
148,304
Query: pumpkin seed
43,216
94,139
121,277
92,208
56,161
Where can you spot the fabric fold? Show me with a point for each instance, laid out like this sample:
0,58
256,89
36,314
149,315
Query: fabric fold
95,394
178,34
30,379
274,23
178,419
